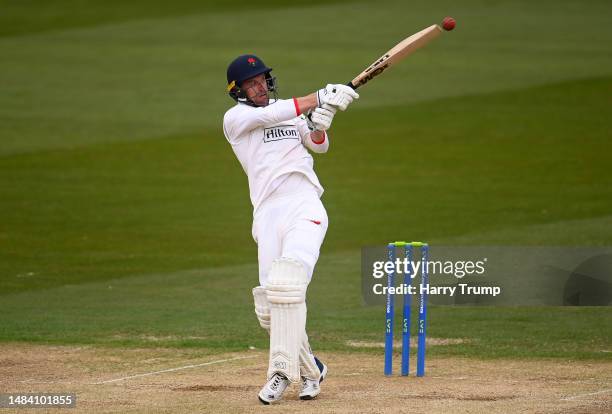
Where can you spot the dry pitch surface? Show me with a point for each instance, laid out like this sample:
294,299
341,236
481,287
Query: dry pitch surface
177,381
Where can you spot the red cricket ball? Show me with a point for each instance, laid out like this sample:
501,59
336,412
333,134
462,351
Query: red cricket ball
448,23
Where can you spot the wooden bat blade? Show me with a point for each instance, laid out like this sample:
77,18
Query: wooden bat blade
398,52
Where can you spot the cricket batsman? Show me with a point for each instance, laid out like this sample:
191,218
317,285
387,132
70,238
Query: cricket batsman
271,138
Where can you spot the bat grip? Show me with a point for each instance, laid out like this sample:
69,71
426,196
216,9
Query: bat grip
351,85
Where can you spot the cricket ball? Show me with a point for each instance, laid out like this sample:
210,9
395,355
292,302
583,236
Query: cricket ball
448,23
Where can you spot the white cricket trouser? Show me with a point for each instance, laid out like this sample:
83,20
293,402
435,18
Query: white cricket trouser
289,225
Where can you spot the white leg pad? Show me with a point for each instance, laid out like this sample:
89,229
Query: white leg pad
262,309
308,366
286,293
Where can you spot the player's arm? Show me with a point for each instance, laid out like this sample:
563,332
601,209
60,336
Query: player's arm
305,104
335,95
246,118
313,128
338,96
317,141
318,137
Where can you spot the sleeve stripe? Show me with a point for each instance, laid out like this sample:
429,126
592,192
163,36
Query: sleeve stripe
319,142
297,107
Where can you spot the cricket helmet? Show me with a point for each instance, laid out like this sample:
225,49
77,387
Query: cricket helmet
246,67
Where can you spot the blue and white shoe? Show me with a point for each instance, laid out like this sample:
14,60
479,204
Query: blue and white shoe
274,389
312,388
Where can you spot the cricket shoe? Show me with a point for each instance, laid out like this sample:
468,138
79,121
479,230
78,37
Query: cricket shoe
274,389
312,388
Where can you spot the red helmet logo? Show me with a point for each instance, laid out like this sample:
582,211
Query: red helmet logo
251,61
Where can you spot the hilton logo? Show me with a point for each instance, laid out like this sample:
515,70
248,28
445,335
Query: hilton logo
281,132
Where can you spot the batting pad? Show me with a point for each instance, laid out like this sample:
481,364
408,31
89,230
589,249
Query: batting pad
308,366
286,293
262,309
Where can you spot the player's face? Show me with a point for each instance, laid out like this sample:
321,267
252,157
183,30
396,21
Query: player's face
257,89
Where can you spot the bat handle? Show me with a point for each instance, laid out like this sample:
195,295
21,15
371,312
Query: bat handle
351,85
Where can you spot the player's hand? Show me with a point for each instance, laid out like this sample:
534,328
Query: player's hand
330,108
337,95
321,118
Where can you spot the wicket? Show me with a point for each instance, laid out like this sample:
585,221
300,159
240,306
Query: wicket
407,308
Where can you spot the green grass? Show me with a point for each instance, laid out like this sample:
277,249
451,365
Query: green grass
25,17
525,332
119,209
142,78
211,309
125,218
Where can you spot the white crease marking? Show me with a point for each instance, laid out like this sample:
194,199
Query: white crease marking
575,397
146,374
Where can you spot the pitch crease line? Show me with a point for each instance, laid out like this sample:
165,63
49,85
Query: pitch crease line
146,374
586,395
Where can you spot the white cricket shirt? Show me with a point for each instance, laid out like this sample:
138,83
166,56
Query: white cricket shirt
270,143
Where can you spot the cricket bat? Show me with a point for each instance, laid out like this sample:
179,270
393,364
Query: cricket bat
400,51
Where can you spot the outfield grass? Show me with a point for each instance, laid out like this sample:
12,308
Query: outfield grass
129,208
125,218
211,309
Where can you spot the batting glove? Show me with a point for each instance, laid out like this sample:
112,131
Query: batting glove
321,118
339,96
